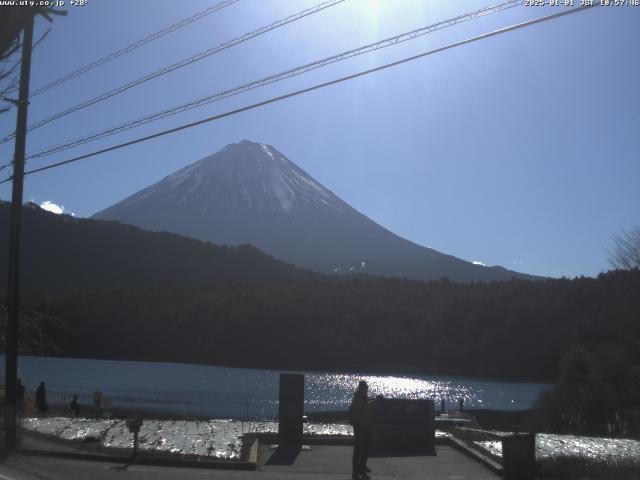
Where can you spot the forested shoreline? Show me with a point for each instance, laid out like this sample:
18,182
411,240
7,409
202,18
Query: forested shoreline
515,330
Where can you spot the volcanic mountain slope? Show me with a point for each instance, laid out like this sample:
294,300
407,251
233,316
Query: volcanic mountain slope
251,193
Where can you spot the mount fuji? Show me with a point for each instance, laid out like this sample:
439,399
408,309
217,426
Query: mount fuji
250,193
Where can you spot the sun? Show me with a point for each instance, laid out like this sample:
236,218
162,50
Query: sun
373,11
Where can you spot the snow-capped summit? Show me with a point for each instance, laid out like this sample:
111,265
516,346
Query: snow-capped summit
250,193
247,175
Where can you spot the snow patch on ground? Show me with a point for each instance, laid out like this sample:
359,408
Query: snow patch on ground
608,450
209,438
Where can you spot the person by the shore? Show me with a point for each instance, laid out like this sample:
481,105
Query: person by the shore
20,397
74,406
41,399
360,418
97,403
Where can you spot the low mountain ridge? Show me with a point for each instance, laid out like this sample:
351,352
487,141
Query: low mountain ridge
63,252
250,193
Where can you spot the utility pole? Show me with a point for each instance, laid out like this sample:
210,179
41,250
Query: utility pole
13,289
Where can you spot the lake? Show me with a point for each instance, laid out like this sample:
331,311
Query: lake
241,393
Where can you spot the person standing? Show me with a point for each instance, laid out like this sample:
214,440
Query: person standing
20,397
74,406
360,418
41,399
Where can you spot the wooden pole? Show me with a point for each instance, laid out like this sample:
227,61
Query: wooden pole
15,227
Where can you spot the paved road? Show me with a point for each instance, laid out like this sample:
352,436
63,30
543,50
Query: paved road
322,462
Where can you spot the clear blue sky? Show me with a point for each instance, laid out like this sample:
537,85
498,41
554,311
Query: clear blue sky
521,150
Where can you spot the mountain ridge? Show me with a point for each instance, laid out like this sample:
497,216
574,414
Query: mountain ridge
63,252
251,193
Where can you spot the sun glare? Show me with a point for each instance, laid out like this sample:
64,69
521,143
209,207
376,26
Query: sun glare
373,14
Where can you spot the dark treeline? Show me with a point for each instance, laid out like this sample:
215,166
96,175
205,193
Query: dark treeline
597,392
517,329
63,252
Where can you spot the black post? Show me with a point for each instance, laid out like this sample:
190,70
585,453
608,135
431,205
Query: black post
291,409
519,457
135,443
13,288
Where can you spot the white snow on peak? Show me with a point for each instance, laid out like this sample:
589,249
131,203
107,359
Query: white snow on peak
182,174
263,177
316,186
246,196
267,151
284,194
198,180
286,184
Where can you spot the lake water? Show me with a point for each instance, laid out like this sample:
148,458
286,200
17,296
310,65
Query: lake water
240,393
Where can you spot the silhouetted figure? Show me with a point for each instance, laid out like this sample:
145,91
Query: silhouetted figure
20,397
360,418
74,406
97,403
461,402
41,400
442,405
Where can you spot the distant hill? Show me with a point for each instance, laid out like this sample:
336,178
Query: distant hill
250,193
61,252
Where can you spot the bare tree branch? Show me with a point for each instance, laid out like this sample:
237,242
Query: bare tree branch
33,339
5,73
12,22
15,81
625,251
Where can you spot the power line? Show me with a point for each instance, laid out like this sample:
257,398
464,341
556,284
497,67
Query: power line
310,89
275,78
12,69
6,73
182,63
13,85
133,46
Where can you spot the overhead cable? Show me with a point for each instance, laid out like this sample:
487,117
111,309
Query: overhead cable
183,63
274,78
309,89
133,46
